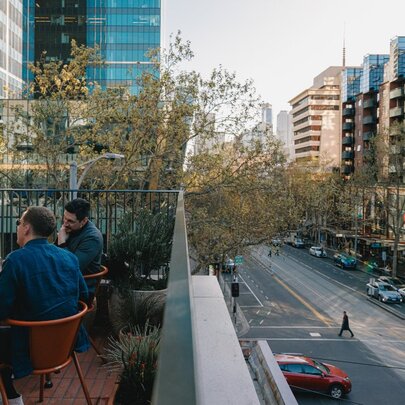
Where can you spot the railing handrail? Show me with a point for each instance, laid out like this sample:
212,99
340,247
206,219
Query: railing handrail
176,377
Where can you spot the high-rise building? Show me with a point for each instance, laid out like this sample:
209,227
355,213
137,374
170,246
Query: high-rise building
125,31
284,133
267,114
11,12
350,87
316,121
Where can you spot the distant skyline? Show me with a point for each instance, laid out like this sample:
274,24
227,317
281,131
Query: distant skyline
282,44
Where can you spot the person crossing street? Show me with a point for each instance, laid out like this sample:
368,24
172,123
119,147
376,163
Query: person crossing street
345,324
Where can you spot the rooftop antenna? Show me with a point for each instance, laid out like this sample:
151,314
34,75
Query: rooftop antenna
344,45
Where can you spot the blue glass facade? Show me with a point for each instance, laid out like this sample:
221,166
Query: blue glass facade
350,83
373,72
124,30
398,55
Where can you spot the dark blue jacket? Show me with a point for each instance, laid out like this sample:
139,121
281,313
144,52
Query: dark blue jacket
39,282
87,245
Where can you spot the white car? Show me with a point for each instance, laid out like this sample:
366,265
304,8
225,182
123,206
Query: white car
317,251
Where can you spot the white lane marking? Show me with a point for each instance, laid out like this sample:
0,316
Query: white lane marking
321,340
250,306
268,313
261,304
257,313
261,321
250,320
303,327
266,297
314,334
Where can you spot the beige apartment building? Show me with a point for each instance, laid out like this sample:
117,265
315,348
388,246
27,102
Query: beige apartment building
316,121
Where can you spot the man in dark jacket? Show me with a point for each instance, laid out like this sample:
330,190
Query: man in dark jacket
81,237
38,282
345,324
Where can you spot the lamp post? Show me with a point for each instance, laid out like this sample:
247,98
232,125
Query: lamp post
75,184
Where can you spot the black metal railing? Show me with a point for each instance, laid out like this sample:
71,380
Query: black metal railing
107,208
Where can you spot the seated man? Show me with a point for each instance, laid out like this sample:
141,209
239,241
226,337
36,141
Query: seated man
38,282
81,237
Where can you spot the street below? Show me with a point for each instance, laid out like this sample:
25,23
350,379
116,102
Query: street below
296,301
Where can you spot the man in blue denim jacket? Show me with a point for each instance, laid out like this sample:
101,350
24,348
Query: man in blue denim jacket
38,282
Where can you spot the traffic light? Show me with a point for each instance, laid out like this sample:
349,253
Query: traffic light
235,289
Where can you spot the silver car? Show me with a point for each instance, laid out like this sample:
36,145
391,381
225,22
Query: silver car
317,251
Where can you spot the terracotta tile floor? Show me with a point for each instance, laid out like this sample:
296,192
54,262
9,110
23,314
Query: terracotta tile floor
66,389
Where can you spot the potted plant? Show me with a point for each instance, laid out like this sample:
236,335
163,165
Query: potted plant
134,355
140,251
140,310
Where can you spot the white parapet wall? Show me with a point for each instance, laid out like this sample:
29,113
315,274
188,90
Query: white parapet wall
222,375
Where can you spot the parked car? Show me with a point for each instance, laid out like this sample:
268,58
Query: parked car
402,292
298,243
317,251
395,282
345,261
384,292
302,372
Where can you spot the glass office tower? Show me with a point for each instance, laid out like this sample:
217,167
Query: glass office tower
350,83
373,72
124,30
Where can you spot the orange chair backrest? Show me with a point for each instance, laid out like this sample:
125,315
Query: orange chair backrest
52,342
97,276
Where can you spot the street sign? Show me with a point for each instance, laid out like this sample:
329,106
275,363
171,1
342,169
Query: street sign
238,259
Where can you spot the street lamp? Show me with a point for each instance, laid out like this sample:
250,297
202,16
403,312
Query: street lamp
75,184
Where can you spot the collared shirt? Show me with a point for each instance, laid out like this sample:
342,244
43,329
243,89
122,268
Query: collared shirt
39,282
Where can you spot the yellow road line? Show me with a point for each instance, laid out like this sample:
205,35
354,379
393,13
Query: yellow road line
322,318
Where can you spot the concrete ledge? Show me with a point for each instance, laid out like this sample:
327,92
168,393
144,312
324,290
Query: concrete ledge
271,380
222,376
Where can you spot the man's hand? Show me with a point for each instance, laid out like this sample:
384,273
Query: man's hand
62,235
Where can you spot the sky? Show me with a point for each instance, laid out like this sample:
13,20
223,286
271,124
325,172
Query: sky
282,44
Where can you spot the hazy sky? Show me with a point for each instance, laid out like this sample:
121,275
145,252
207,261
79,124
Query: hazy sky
283,44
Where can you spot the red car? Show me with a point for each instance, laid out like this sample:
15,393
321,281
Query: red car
309,374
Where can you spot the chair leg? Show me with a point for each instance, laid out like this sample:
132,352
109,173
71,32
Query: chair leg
93,343
41,387
48,381
80,373
3,391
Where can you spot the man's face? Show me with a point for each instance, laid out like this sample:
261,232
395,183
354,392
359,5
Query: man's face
22,229
71,223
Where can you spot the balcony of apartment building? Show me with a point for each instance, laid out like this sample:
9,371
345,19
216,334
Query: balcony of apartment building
348,126
347,155
367,136
369,103
397,93
347,169
397,111
369,119
348,112
201,360
347,140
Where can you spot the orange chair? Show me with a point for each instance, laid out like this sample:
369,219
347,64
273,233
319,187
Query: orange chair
51,347
91,305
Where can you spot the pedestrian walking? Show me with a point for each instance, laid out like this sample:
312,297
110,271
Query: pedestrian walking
269,254
345,324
